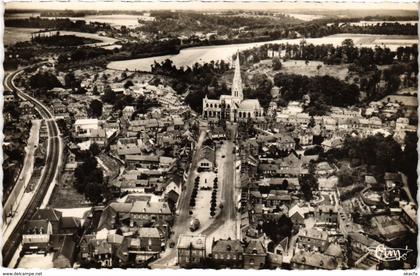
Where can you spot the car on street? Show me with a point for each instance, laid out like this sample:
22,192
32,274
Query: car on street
194,224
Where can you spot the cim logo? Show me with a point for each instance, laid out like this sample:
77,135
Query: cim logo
389,254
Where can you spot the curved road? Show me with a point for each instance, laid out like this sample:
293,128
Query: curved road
49,172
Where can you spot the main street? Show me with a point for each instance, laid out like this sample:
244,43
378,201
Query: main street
48,176
227,216
182,220
228,212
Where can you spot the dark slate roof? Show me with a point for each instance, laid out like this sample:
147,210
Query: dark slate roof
70,223
207,153
315,259
255,247
31,225
227,246
47,214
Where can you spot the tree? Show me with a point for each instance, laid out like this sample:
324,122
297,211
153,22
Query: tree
318,67
347,43
109,95
278,229
95,108
284,184
89,178
94,149
95,90
94,192
311,122
276,64
308,184
128,84
345,177
192,202
70,80
44,80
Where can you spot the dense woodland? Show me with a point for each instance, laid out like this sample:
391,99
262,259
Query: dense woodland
362,61
379,154
172,23
63,40
89,178
198,80
323,91
64,24
320,30
347,53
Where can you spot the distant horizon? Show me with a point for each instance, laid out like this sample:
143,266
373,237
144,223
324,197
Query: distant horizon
215,5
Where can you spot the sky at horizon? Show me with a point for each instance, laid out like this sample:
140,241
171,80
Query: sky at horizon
215,5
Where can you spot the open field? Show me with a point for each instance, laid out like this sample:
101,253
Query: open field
310,69
306,17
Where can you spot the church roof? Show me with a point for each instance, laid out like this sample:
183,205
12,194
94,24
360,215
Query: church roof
250,104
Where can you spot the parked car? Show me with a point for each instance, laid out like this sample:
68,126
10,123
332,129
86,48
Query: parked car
194,224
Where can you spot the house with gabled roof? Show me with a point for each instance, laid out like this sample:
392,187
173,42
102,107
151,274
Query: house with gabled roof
191,250
146,211
309,260
51,215
36,236
297,215
207,158
227,253
312,239
254,255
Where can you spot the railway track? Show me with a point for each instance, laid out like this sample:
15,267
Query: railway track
51,166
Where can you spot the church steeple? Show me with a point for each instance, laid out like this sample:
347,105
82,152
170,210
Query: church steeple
237,80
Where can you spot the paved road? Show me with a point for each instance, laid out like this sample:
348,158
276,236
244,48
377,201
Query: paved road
182,220
51,166
229,209
12,198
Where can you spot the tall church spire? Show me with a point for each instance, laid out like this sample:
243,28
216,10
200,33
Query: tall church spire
237,80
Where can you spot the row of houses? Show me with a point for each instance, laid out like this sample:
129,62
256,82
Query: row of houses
313,250
225,253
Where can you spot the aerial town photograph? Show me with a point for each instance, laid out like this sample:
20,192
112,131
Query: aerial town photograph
247,135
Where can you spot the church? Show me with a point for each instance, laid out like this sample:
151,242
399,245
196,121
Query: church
232,107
